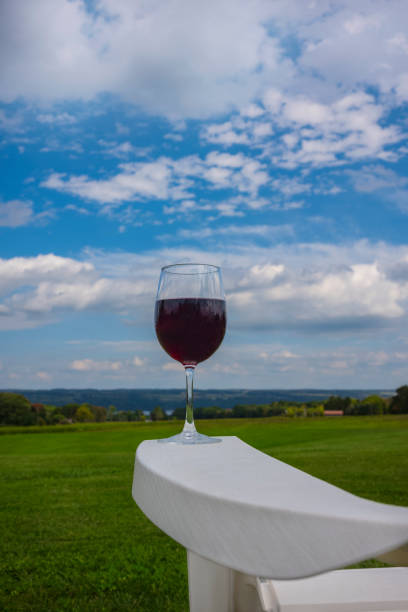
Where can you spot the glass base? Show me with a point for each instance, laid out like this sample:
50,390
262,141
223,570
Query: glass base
189,438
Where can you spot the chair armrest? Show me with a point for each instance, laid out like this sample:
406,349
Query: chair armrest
244,510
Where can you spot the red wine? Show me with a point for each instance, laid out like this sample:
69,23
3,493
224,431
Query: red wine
190,329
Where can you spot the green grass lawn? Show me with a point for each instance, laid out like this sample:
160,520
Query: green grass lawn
73,539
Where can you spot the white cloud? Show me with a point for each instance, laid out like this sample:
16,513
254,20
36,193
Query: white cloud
123,149
228,209
11,123
168,57
225,160
239,131
297,129
258,275
382,181
186,206
24,271
240,231
252,111
262,130
278,295
78,209
295,205
172,57
166,179
173,137
220,177
44,376
356,295
172,366
57,118
225,134
54,144
324,134
369,36
278,356
376,178
291,186
135,181
37,287
137,361
311,287
122,130
16,213
89,365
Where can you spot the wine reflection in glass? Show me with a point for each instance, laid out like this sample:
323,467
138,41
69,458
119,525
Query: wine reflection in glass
190,320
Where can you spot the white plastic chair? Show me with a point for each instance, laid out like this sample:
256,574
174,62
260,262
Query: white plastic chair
242,515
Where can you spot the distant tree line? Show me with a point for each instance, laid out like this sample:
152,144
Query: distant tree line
253,411
373,404
15,409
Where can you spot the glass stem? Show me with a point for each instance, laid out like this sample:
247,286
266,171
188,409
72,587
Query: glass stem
189,427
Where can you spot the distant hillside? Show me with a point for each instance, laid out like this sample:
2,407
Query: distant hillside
169,399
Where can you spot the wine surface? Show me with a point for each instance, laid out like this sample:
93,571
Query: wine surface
190,329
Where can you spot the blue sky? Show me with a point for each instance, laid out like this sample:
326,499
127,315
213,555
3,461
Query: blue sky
269,138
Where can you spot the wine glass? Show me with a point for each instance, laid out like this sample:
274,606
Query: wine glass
190,320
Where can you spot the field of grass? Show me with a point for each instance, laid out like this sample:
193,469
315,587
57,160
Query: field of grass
72,539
